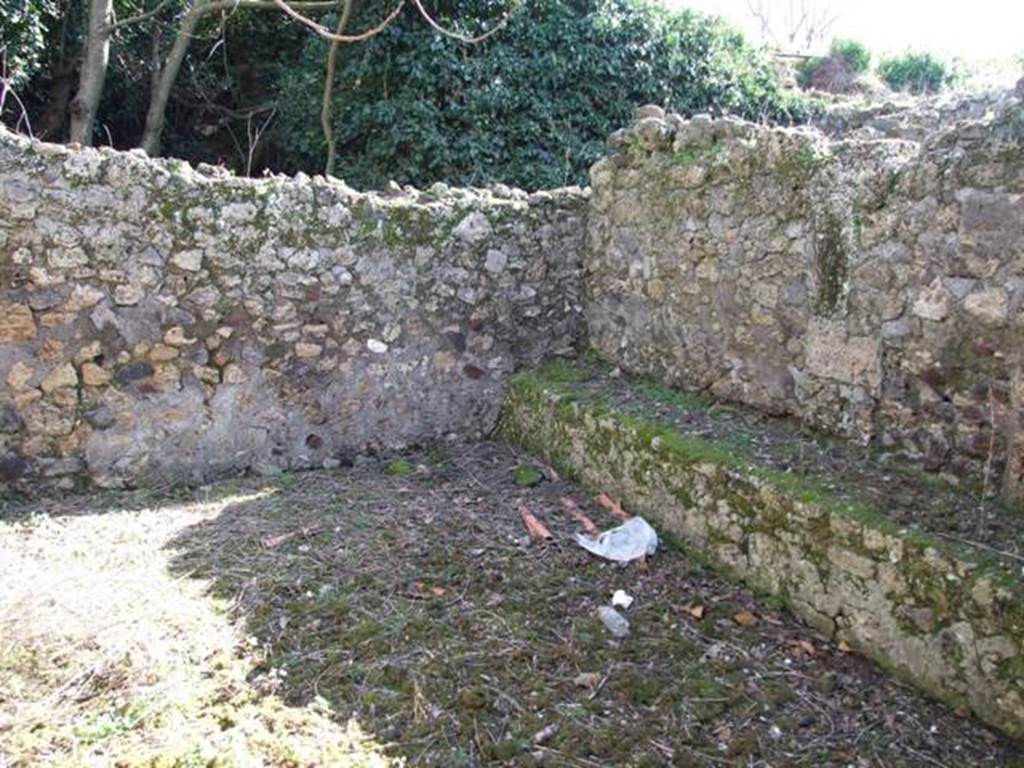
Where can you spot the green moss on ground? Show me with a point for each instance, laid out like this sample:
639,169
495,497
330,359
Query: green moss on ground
399,468
526,476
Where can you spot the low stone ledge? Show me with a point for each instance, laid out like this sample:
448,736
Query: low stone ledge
948,621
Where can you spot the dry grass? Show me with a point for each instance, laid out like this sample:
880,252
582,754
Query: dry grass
394,613
107,658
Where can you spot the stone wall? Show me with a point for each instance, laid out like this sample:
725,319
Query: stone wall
874,288
161,324
907,116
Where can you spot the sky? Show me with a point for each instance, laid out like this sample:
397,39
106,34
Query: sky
971,29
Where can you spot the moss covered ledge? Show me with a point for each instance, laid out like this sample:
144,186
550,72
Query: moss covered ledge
947,619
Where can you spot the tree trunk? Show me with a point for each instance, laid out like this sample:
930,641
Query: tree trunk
93,73
51,124
61,86
164,82
325,109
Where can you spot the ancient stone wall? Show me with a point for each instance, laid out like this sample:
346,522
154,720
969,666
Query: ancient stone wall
161,324
913,117
874,288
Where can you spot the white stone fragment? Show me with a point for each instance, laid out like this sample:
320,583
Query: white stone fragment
190,261
474,228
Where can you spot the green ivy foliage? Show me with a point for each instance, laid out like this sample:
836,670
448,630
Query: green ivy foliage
916,72
532,106
23,28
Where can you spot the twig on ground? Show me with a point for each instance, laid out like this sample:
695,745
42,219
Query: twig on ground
979,545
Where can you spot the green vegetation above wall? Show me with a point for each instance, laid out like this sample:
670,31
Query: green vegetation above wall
23,28
855,54
838,72
916,72
530,107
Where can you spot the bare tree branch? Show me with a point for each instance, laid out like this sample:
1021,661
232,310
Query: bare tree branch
336,38
7,89
265,5
254,134
455,35
226,4
290,9
793,24
197,9
140,17
324,32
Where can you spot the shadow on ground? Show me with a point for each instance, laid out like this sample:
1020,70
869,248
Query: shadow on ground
405,596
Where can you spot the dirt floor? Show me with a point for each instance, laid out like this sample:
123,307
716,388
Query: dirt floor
396,613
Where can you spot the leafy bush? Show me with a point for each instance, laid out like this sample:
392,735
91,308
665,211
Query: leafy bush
23,27
838,71
855,54
916,72
805,69
532,106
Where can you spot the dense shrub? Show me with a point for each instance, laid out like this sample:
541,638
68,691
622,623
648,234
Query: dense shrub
838,71
533,105
855,54
804,70
916,73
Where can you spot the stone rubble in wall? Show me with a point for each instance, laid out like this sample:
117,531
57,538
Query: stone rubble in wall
874,287
913,118
161,323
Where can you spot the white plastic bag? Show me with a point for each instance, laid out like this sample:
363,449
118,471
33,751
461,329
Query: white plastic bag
632,540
